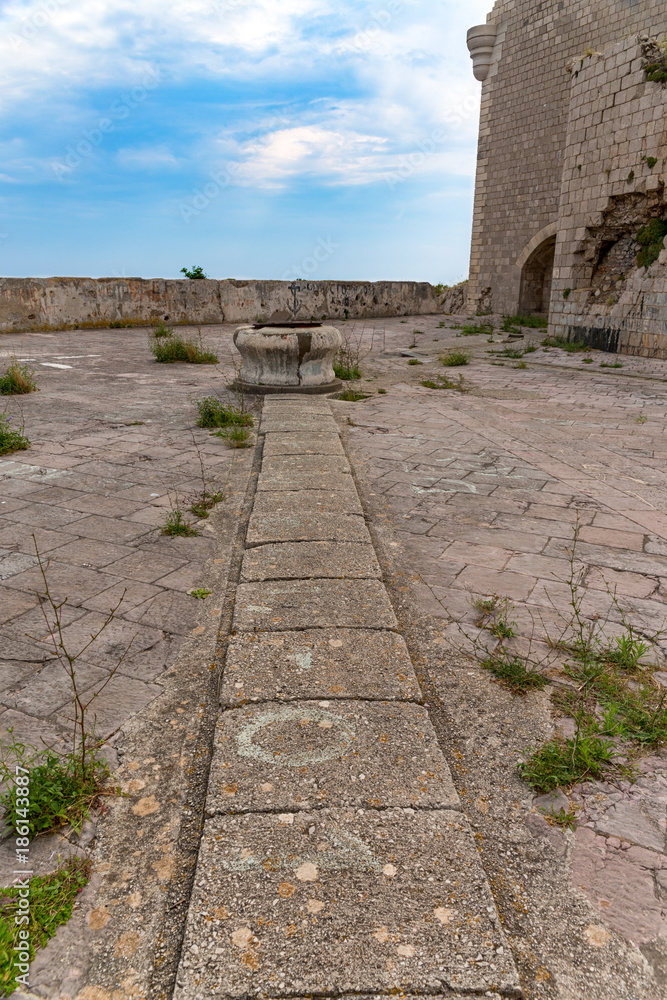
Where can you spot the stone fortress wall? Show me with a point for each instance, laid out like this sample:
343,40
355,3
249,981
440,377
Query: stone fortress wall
567,115
57,303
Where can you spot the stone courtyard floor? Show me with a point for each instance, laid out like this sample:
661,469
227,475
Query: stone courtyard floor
465,494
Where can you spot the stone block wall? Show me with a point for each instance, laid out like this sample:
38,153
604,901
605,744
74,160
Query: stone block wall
523,130
54,303
614,177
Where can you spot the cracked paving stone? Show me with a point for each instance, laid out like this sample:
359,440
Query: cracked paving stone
291,503
311,754
334,480
303,444
341,901
290,464
281,605
320,663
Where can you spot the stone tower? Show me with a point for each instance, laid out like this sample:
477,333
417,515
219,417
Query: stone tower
572,166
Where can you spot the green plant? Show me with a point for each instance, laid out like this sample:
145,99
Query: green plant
455,358
656,72
195,273
204,503
567,293
476,329
630,177
511,670
346,362
382,392
651,161
441,324
443,382
641,419
587,361
214,413
347,373
607,364
567,818
17,379
502,629
176,524
11,440
160,329
651,238
52,899
117,324
62,788
560,763
440,289
350,396
532,322
415,361
235,436
135,423
570,346
200,593
174,349
520,364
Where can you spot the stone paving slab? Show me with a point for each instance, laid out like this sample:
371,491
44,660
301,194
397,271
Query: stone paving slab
302,527
285,425
284,605
303,444
334,480
320,663
304,463
292,502
312,754
340,901
311,561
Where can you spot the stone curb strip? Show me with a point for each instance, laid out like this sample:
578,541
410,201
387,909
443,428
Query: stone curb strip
335,858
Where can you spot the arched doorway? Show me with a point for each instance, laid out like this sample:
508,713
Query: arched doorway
536,278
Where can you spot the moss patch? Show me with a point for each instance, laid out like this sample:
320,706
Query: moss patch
651,237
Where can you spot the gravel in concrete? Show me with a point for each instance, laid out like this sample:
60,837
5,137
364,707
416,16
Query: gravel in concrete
311,561
312,754
302,527
320,663
340,901
334,480
287,424
287,604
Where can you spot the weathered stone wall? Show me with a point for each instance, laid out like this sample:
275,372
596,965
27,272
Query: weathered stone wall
523,130
35,303
614,175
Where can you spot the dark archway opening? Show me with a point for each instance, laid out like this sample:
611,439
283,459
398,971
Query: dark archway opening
536,278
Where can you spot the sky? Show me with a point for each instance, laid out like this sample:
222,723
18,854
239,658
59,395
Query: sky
320,139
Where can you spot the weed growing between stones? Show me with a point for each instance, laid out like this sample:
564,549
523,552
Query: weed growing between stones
641,419
444,382
455,358
236,437
200,593
415,361
176,524
382,392
172,348
351,396
475,330
10,439
605,684
532,322
570,346
214,413
52,900
160,329
606,364
17,379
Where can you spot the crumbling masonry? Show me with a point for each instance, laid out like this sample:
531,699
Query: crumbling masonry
570,205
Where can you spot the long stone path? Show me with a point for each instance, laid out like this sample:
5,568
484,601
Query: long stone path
335,858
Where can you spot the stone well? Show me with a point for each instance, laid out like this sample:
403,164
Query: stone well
288,357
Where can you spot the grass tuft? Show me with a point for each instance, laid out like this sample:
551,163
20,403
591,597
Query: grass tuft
176,524
443,382
214,413
11,440
455,358
570,346
160,329
560,763
17,379
236,437
512,672
171,349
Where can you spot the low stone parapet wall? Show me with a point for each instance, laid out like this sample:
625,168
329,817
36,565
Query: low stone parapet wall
57,303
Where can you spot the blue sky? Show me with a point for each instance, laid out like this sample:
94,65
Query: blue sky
256,138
